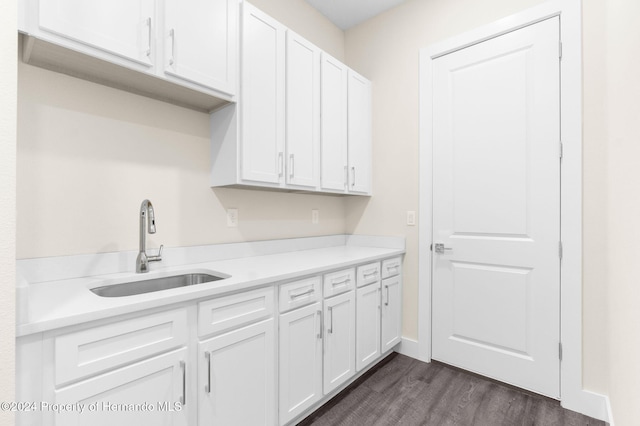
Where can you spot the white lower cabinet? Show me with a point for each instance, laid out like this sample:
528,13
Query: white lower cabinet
339,343
368,325
236,379
300,359
215,361
151,392
391,312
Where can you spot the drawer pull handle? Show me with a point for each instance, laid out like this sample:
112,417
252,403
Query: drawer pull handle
330,330
371,274
183,398
321,332
207,388
344,281
394,267
306,293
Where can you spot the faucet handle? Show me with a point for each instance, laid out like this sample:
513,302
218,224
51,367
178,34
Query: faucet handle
157,257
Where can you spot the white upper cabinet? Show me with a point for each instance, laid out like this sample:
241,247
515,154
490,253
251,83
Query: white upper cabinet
121,27
294,123
303,112
334,124
262,97
359,119
184,52
197,36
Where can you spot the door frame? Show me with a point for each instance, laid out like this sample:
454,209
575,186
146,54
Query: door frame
573,396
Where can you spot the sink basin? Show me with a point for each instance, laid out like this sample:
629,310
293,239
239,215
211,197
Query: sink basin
154,284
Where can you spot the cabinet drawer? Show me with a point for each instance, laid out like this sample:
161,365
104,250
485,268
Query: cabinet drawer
225,313
89,352
368,274
300,293
339,282
391,267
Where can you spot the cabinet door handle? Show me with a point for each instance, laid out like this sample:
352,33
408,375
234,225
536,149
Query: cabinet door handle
346,176
183,398
280,163
291,166
387,302
207,387
330,330
149,35
353,175
172,34
321,331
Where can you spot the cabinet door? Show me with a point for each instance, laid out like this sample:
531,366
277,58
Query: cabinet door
359,125
333,124
121,27
300,360
339,349
391,312
367,325
262,97
155,389
200,42
236,380
303,111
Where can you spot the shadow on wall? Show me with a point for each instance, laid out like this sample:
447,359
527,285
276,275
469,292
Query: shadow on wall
354,209
268,214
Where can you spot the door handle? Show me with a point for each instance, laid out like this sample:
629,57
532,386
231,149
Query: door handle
330,330
440,248
321,332
172,34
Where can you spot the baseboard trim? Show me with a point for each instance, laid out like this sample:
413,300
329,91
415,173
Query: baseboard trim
410,348
590,404
609,412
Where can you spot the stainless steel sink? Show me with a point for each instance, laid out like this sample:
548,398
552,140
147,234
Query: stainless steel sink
154,284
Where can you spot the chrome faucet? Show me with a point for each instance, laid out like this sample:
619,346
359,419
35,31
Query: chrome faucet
146,215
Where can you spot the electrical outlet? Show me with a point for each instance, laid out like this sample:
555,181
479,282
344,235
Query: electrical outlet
411,218
232,218
315,216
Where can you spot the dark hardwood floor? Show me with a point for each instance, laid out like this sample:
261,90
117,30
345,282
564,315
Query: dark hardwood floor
404,391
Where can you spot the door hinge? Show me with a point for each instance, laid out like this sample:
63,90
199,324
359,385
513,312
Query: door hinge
560,350
561,150
560,49
560,249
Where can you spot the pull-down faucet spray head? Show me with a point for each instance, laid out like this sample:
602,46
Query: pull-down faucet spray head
147,215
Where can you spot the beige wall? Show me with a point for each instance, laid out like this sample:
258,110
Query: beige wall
88,155
622,251
8,87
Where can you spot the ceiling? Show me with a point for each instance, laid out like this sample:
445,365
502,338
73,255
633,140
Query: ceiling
349,13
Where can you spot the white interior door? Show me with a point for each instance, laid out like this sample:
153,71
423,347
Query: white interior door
496,208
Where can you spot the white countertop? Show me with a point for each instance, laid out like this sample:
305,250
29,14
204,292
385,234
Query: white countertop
54,304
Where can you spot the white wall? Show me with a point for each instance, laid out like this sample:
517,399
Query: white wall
89,154
8,87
